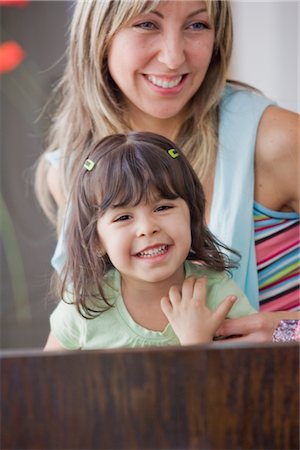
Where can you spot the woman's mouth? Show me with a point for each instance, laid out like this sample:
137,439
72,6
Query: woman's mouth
165,82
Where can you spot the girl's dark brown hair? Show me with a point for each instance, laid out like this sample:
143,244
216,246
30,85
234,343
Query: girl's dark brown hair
128,168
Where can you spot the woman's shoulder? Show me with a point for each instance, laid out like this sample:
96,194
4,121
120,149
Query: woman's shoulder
241,109
279,130
54,157
277,159
239,95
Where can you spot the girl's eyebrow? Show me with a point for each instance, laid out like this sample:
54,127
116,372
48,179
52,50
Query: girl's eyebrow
192,14
117,205
121,205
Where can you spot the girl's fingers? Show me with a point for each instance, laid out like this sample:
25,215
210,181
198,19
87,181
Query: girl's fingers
188,288
175,295
223,309
166,306
192,289
199,293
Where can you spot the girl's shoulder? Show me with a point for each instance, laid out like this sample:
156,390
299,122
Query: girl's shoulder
196,269
219,286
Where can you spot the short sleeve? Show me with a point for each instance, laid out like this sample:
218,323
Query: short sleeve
68,326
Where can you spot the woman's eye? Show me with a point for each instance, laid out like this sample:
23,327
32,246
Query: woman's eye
147,25
196,26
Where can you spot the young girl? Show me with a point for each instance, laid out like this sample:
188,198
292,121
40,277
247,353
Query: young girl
136,220
161,66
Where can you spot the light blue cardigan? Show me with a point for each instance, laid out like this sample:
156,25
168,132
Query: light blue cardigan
231,217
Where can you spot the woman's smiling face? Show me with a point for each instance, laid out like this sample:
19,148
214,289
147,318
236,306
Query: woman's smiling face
159,59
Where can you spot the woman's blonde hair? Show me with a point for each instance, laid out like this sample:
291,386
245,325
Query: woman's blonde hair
91,106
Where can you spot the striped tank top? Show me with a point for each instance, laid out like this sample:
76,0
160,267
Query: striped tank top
278,258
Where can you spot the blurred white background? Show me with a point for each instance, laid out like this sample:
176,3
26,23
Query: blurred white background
266,48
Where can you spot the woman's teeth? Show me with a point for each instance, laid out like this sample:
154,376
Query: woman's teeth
166,84
153,252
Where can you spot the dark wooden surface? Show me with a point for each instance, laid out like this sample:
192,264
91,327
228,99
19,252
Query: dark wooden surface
206,397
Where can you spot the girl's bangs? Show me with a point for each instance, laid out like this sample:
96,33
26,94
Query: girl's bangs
133,180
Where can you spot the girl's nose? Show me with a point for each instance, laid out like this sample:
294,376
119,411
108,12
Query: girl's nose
147,227
172,50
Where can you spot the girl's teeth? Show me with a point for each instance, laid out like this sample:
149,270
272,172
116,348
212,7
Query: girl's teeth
153,252
166,84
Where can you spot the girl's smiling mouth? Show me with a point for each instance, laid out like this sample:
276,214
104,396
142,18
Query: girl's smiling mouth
151,252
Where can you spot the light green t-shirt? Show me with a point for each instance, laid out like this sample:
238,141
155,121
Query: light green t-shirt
115,327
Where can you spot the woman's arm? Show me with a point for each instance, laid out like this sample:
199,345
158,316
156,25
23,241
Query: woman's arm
258,327
277,160
276,188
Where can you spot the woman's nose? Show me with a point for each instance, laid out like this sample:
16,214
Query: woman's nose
172,50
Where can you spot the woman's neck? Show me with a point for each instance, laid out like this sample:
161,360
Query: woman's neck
165,127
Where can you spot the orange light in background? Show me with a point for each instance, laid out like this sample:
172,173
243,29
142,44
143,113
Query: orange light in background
14,2
11,55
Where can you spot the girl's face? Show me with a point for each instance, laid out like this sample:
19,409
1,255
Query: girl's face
148,242
159,59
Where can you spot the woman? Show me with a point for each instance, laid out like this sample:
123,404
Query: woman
161,66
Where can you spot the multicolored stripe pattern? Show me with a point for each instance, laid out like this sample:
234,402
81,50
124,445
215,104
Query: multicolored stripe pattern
277,246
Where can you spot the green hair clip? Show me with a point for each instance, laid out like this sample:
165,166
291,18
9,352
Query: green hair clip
89,165
173,153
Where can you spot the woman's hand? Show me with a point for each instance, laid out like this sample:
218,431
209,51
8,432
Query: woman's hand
258,327
185,308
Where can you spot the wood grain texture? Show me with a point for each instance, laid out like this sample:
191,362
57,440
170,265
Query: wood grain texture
202,397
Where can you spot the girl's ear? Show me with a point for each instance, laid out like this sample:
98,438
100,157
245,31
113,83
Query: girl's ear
100,252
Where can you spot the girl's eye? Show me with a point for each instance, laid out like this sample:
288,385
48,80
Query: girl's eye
198,26
147,25
122,218
163,208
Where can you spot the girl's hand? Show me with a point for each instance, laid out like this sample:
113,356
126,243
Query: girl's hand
192,321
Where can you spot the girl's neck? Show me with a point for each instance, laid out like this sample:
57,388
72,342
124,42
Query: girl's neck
142,300
149,292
